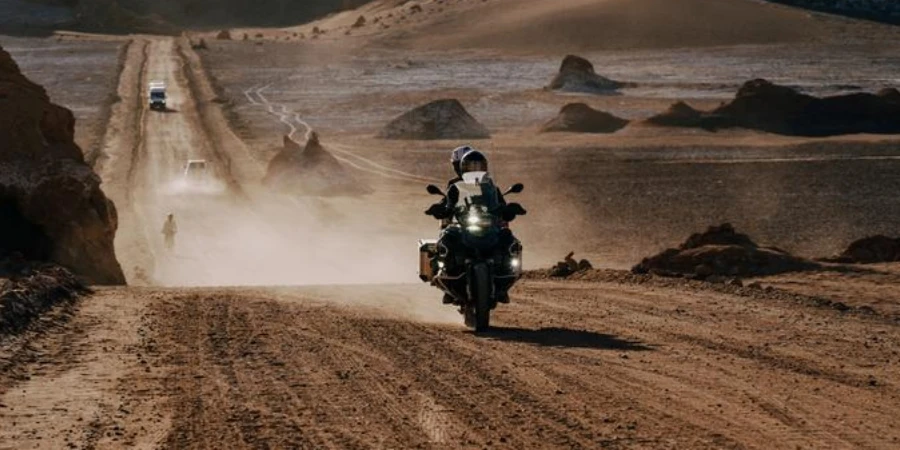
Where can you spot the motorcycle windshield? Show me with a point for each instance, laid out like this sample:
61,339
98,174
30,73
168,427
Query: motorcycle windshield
478,192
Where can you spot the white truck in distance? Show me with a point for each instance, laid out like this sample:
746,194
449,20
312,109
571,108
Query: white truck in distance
157,95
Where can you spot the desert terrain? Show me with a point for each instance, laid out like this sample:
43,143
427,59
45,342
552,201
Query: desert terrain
297,321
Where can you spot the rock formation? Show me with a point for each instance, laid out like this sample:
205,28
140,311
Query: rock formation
869,250
765,106
680,114
310,170
581,118
441,119
576,74
721,251
51,205
569,266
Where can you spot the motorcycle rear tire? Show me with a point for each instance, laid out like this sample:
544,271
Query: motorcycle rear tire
481,285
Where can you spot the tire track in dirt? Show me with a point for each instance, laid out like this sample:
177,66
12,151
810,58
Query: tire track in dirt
84,386
570,365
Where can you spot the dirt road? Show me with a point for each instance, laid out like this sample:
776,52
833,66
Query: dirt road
612,364
571,365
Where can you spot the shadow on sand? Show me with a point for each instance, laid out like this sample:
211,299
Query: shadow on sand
562,337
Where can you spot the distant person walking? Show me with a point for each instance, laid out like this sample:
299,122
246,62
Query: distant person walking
169,229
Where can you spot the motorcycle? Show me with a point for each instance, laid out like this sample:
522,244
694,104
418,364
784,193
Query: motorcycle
477,260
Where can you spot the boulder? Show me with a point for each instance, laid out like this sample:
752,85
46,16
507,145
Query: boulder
765,106
310,170
721,252
576,74
869,250
569,266
441,119
224,35
581,118
51,205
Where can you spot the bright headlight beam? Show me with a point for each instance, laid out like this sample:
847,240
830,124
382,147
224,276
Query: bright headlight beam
514,262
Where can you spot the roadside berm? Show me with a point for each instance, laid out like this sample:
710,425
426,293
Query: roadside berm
28,290
721,251
310,170
581,118
576,74
765,106
51,205
440,119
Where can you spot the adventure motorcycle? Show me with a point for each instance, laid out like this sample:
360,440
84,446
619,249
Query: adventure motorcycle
476,260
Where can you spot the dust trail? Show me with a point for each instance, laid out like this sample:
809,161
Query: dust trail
236,234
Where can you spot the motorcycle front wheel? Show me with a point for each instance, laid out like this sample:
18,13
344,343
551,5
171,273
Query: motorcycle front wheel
478,313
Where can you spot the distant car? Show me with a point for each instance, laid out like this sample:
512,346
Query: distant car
157,94
196,171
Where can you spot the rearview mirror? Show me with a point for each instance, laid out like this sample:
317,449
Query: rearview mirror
434,190
516,188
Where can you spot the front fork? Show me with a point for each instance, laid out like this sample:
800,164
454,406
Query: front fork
472,280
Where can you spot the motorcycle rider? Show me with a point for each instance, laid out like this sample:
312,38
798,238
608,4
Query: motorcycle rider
168,231
470,161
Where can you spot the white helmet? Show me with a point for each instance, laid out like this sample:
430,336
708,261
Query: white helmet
457,156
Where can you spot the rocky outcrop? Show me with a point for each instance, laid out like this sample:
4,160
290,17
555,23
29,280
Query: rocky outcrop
51,205
581,118
721,252
441,119
765,106
577,74
569,266
870,250
889,94
680,114
310,170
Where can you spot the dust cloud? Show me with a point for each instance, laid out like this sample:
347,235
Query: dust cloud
268,239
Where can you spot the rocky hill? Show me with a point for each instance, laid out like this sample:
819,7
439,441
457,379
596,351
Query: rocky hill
169,16
51,205
878,10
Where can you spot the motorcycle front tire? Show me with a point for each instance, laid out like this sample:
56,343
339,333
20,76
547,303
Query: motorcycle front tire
478,313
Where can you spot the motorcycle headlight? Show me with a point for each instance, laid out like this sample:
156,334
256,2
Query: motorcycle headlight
514,263
473,219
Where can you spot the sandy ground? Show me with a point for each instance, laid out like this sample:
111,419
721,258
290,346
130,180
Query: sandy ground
621,196
357,355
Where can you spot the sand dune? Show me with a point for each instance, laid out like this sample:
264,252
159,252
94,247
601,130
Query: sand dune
602,24
582,25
